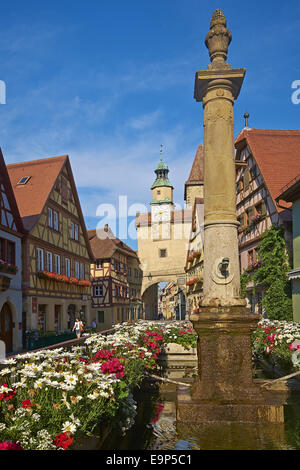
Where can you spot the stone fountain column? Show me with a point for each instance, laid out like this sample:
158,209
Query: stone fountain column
224,389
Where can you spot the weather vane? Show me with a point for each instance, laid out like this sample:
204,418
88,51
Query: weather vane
161,146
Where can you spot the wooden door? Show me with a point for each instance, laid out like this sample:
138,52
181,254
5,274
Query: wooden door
6,327
72,315
57,318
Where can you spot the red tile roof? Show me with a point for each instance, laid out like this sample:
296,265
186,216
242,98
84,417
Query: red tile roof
277,154
104,244
197,171
32,196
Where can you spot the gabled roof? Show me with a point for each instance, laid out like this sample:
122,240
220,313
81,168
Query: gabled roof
32,196
104,244
277,154
16,223
197,171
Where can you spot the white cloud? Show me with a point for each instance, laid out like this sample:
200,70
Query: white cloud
123,167
145,121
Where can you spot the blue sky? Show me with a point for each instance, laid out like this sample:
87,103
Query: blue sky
107,82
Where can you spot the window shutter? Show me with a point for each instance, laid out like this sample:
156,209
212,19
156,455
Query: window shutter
251,211
246,178
263,208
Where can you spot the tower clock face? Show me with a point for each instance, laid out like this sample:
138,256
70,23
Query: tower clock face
161,213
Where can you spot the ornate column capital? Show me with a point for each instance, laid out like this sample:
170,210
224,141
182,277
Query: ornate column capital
217,81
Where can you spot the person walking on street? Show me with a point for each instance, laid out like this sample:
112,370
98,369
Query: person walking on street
94,325
78,327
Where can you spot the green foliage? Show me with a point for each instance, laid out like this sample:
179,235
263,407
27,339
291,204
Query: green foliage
272,275
185,336
134,372
278,301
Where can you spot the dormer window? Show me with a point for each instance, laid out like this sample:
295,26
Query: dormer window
24,180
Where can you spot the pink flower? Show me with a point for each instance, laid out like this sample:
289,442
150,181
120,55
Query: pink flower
113,366
7,445
295,345
102,354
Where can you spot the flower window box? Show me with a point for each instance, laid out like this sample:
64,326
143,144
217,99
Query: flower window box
84,283
8,268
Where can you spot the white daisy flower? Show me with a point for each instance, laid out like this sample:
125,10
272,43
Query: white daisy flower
69,427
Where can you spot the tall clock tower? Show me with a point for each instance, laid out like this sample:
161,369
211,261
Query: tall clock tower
162,194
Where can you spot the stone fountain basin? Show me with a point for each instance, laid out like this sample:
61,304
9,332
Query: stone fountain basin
175,354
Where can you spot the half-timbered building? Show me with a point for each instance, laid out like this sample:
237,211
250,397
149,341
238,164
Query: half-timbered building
56,252
194,261
266,160
116,279
193,195
11,232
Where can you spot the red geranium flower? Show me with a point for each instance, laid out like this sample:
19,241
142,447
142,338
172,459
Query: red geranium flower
113,366
102,354
63,440
6,396
27,404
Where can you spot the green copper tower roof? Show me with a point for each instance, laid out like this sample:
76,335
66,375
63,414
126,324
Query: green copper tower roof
161,166
162,179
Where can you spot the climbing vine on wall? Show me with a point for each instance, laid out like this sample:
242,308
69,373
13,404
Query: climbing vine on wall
271,274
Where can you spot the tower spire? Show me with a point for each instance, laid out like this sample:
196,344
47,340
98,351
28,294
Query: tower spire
162,189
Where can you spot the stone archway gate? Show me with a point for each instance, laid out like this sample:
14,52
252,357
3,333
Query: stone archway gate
164,276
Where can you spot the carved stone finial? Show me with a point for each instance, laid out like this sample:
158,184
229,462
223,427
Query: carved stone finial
246,116
218,39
